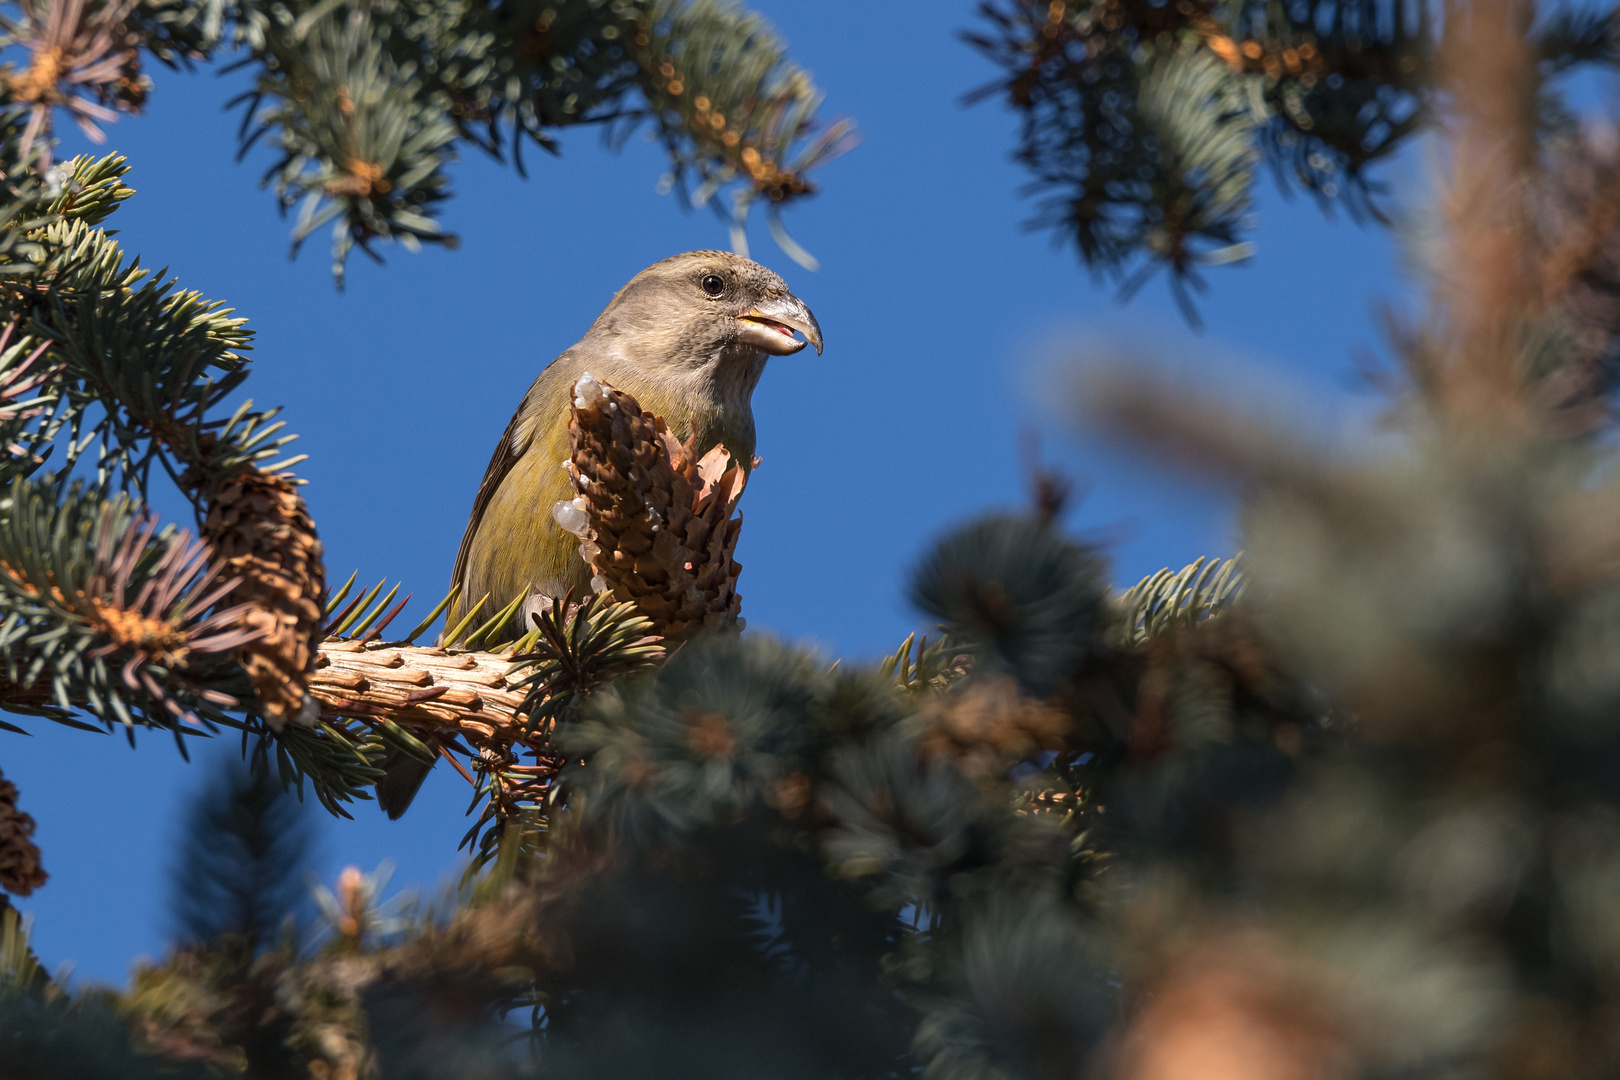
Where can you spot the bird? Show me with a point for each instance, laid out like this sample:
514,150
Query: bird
688,338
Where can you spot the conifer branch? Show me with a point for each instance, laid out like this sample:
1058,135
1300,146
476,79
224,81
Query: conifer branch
1141,122
366,104
436,692
731,109
362,144
133,368
1164,601
83,57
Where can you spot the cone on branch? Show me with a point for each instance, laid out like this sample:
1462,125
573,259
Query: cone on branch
490,714
655,520
260,527
140,612
20,870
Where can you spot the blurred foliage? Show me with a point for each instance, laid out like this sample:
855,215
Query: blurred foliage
367,104
1353,813
1143,123
244,848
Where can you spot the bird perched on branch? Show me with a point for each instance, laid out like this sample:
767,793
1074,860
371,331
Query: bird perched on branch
688,337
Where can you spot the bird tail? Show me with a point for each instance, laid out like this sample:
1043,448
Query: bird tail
402,778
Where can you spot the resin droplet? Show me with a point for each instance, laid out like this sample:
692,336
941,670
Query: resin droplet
588,393
572,517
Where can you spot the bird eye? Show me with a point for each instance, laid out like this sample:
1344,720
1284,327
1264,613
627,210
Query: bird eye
712,284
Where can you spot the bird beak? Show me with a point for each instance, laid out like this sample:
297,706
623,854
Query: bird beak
770,326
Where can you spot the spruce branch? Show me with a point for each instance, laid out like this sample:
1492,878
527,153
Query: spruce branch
237,878
23,368
1164,601
1141,122
84,57
88,189
491,714
430,690
576,648
143,362
517,71
362,143
142,367
24,198
920,666
159,360
105,614
135,367
1344,86
1201,127
20,970
1016,596
732,110
366,104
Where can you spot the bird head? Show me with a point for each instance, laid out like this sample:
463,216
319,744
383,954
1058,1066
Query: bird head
704,304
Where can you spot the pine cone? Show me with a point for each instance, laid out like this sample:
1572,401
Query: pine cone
20,871
258,524
655,522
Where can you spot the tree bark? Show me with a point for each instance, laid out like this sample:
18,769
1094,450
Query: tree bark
420,687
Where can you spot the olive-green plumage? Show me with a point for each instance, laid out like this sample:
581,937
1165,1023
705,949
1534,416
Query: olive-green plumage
688,337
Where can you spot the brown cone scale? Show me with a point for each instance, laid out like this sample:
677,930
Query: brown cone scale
20,870
661,527
258,524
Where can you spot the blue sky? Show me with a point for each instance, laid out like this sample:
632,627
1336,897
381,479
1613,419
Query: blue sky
940,313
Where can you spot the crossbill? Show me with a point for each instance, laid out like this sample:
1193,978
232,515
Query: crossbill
688,337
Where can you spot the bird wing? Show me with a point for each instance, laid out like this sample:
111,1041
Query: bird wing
514,441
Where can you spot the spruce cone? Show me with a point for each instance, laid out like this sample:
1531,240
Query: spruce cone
258,524
20,871
655,522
